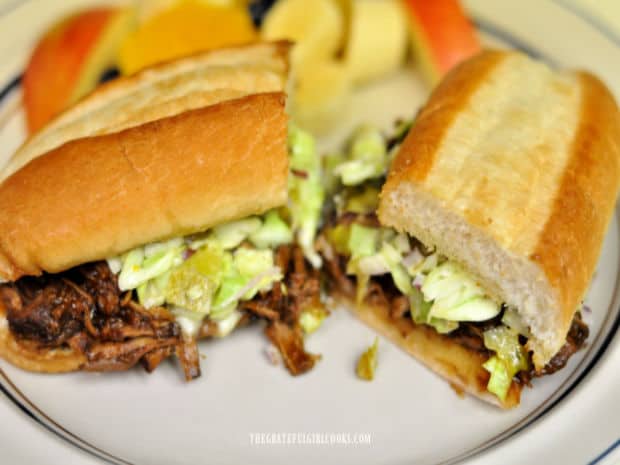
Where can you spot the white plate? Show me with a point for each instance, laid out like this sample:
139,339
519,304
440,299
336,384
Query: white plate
408,414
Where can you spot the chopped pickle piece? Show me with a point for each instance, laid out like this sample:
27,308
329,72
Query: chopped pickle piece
367,363
338,237
504,342
251,262
510,358
366,202
191,286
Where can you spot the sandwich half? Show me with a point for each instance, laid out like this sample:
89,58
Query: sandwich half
158,211
477,254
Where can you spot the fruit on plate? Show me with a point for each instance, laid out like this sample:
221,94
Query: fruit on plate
322,83
149,8
441,35
377,38
315,26
186,27
69,58
322,96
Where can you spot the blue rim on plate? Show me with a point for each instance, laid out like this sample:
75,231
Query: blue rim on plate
13,393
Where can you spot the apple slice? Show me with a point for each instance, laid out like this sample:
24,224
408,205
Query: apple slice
315,26
322,96
441,35
68,60
377,39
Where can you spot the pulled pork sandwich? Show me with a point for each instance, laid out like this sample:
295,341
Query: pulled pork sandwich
474,256
158,211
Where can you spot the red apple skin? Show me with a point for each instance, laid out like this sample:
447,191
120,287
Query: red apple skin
56,63
443,32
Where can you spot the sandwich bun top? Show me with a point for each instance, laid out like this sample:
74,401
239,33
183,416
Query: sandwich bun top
163,90
147,158
512,169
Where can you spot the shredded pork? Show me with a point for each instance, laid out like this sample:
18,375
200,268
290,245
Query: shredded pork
84,309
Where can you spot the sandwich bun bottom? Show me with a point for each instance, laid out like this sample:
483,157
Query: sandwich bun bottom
32,358
458,365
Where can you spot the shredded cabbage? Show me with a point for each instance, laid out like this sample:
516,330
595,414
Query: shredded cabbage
211,281
412,260
330,162
424,266
513,320
456,296
306,192
362,241
226,325
257,265
115,264
273,232
137,269
158,247
355,172
302,149
153,293
367,157
420,313
251,272
189,321
394,262
230,291
230,235
401,243
372,265
500,380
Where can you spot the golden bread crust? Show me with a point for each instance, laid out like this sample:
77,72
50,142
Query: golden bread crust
160,91
449,98
522,165
570,243
97,197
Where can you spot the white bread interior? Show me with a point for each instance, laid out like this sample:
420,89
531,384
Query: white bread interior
512,169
